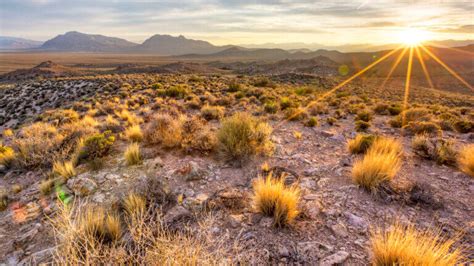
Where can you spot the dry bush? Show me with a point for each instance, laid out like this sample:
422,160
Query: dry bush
64,169
423,127
95,146
466,160
111,124
197,136
360,144
296,114
37,145
135,205
60,117
405,245
243,135
212,112
46,186
134,133
411,115
380,164
3,199
129,117
318,108
89,236
440,150
272,198
132,154
163,129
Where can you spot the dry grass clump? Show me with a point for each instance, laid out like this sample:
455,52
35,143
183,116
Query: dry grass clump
272,198
134,205
129,117
212,112
405,245
60,117
3,199
64,169
243,135
46,186
296,114
163,129
440,150
197,136
91,236
134,133
466,160
423,127
360,144
380,164
111,124
95,146
132,154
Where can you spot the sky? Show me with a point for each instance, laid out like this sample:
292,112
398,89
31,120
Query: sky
222,22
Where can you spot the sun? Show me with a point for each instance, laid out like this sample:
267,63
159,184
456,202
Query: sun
413,36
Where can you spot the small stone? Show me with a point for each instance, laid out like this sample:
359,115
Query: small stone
327,134
154,164
235,220
266,222
356,221
311,251
175,214
283,251
192,172
339,230
335,259
82,186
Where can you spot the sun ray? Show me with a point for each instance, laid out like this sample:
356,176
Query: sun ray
423,66
407,85
394,66
451,71
342,84
450,48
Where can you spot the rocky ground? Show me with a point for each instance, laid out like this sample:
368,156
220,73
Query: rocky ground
336,216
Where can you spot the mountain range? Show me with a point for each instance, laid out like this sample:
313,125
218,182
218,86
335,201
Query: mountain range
166,45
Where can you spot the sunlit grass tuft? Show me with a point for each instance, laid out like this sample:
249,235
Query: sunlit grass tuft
272,198
404,245
134,133
132,154
360,144
466,160
64,169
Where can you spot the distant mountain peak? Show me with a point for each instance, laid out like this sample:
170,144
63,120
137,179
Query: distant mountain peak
77,41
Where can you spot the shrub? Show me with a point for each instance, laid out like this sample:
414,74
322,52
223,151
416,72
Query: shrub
380,164
212,112
422,146
96,146
381,109
163,129
360,144
242,135
179,92
316,108
7,133
128,117
464,126
37,145
312,122
264,82
466,160
361,125
132,154
272,198
64,169
423,127
111,124
296,114
197,136
331,121
411,115
404,245
233,86
7,155
446,153
3,199
285,103
134,133
364,115
60,116
271,107
394,109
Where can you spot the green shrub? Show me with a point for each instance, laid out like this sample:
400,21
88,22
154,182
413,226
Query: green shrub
243,135
285,103
361,125
271,107
96,146
312,122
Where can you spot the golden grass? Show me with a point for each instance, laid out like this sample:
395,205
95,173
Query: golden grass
134,205
132,154
165,130
272,198
381,163
243,135
8,133
46,186
134,133
212,112
360,144
64,169
89,236
129,117
404,245
466,160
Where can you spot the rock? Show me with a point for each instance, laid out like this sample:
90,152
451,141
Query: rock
313,209
192,172
39,257
3,168
311,251
266,222
98,198
356,221
175,214
154,164
335,259
82,186
197,203
283,251
235,220
339,230
311,171
327,134
338,137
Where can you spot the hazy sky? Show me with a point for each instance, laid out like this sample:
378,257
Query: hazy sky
240,22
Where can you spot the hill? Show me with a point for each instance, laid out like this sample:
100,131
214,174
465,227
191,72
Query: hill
47,69
13,43
81,42
170,45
